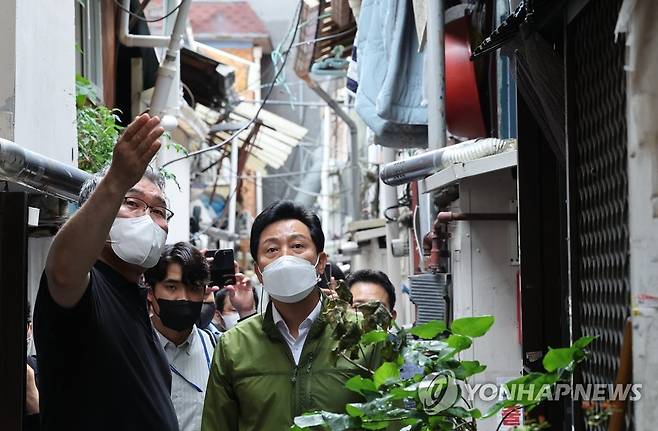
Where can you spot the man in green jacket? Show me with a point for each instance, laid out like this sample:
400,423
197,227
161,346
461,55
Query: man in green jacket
273,367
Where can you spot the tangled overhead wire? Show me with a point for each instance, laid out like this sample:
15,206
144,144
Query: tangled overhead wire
141,18
295,27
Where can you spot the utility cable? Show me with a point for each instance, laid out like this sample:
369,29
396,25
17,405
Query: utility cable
260,107
141,18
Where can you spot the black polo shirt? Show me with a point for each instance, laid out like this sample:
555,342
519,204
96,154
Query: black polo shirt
101,365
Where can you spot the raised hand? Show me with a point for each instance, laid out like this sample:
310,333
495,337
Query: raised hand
242,294
135,149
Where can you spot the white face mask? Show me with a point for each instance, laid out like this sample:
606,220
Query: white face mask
230,320
290,279
138,240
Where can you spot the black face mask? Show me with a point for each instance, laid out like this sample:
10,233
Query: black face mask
207,313
178,315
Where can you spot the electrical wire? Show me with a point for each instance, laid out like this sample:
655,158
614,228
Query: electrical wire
141,18
260,107
320,39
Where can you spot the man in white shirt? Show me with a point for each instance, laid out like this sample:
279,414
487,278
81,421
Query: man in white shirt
177,290
274,366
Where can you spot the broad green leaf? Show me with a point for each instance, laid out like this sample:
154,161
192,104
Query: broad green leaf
583,342
428,330
354,410
472,326
359,384
459,342
386,372
558,358
375,336
467,369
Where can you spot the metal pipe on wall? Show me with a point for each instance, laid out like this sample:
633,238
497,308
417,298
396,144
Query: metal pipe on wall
354,146
25,167
435,74
436,88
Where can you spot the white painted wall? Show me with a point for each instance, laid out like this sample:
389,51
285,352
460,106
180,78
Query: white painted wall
45,78
37,91
639,21
179,199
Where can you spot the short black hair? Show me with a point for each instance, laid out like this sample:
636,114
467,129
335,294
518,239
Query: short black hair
285,210
376,277
193,263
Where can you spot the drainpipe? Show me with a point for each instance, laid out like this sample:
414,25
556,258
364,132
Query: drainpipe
169,70
435,79
354,145
25,167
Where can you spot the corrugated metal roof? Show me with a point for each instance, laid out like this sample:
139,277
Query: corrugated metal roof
274,142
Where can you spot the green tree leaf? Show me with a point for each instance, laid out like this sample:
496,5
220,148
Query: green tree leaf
375,336
428,330
472,326
583,342
459,342
467,369
386,372
558,358
360,385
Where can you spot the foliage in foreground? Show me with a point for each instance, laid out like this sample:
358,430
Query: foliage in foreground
98,127
398,400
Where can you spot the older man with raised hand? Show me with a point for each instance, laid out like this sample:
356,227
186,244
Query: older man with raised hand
101,365
270,368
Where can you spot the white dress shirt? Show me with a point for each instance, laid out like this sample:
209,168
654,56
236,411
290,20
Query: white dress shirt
189,364
296,344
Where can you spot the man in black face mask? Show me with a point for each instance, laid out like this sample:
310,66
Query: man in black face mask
178,286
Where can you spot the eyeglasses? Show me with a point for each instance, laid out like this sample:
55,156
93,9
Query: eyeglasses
138,207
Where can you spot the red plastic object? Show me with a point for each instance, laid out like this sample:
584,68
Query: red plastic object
463,110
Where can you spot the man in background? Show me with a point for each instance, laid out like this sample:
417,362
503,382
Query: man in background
177,288
369,285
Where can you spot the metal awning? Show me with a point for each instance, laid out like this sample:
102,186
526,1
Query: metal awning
274,142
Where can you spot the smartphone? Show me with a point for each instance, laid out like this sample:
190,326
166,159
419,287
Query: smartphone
222,269
325,279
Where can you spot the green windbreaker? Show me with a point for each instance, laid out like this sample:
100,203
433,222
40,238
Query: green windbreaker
254,384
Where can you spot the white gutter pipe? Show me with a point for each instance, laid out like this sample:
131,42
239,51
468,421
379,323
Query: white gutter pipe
130,40
170,67
435,79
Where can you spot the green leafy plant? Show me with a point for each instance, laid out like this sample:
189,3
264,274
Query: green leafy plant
98,127
399,400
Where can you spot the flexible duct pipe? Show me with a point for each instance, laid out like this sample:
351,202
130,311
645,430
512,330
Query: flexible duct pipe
47,175
418,167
